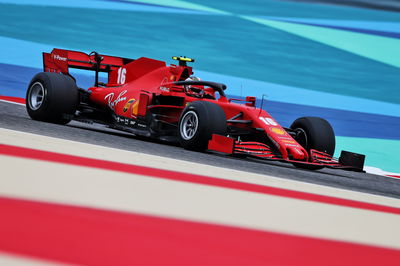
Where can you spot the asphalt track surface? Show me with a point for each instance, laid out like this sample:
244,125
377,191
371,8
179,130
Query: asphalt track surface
15,117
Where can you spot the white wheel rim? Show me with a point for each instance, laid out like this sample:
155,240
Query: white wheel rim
189,125
36,95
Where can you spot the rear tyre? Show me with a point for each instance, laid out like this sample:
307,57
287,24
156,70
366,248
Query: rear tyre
52,97
314,133
199,120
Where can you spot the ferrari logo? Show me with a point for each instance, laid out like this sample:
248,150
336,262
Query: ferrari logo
128,104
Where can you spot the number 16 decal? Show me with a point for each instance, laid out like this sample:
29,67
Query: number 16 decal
121,75
268,121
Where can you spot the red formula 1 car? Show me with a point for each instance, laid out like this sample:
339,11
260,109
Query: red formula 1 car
146,97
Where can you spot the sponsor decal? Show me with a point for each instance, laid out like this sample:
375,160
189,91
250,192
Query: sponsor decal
289,141
164,81
299,151
128,104
110,98
57,57
286,138
129,122
291,145
278,131
126,121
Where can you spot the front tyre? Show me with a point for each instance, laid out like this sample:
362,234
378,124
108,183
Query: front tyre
52,97
199,120
314,133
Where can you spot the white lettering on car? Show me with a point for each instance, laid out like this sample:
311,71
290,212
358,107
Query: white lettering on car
57,57
110,98
121,75
268,121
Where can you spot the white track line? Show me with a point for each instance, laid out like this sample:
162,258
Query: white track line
12,102
34,141
378,171
8,259
83,186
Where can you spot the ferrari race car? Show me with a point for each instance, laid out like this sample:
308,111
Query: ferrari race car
146,97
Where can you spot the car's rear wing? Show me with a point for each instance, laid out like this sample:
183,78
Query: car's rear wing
60,61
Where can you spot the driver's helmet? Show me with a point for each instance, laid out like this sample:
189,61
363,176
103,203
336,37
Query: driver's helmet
191,88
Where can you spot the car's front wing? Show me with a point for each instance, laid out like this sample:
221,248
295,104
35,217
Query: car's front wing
347,160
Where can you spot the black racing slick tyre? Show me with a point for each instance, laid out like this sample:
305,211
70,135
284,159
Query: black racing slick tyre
314,133
198,121
52,97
